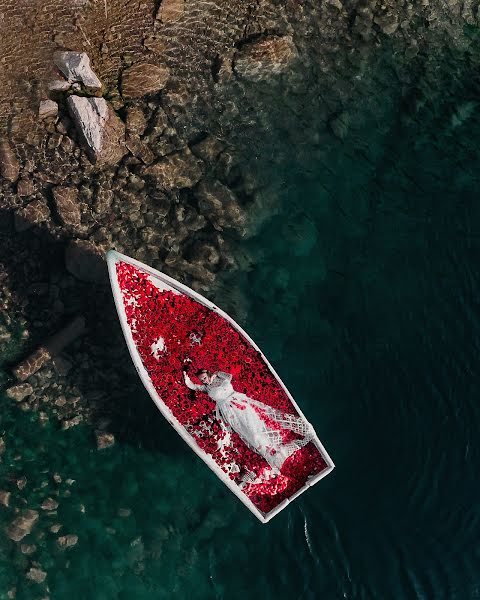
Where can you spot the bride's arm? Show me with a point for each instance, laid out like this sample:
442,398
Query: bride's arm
193,386
223,375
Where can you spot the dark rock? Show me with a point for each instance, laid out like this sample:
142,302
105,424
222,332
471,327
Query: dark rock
25,187
66,203
220,205
33,214
208,149
136,121
9,165
181,170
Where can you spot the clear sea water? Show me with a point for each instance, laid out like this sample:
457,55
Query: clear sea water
365,297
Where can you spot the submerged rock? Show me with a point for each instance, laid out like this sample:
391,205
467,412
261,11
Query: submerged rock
170,10
180,170
9,165
220,205
33,214
5,498
101,130
20,392
22,525
25,187
28,549
104,439
208,149
76,68
66,203
67,541
264,58
36,575
143,79
49,504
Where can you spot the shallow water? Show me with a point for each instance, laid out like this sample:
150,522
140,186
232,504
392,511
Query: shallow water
365,297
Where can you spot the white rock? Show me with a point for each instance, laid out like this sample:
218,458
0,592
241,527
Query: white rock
47,108
76,68
59,85
90,115
101,130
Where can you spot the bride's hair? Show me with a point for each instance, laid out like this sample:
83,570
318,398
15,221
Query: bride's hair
200,371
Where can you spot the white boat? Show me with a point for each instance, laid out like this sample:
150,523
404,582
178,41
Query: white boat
239,418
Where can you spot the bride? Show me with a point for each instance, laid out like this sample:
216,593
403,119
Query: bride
260,426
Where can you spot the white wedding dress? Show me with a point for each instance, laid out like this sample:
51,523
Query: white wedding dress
236,411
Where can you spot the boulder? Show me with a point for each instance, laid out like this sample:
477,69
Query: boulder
66,203
143,79
264,58
22,525
85,261
220,205
76,68
20,392
208,149
25,187
9,165
101,131
180,170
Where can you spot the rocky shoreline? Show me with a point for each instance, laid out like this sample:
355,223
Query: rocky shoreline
150,132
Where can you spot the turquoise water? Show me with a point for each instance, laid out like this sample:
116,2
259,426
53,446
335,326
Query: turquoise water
365,296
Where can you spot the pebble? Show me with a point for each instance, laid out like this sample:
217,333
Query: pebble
47,108
49,504
67,541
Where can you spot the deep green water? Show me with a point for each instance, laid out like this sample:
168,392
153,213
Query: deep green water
366,298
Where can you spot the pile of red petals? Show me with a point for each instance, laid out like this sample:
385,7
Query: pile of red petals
190,330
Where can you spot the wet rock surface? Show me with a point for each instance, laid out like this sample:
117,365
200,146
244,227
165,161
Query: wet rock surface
143,79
